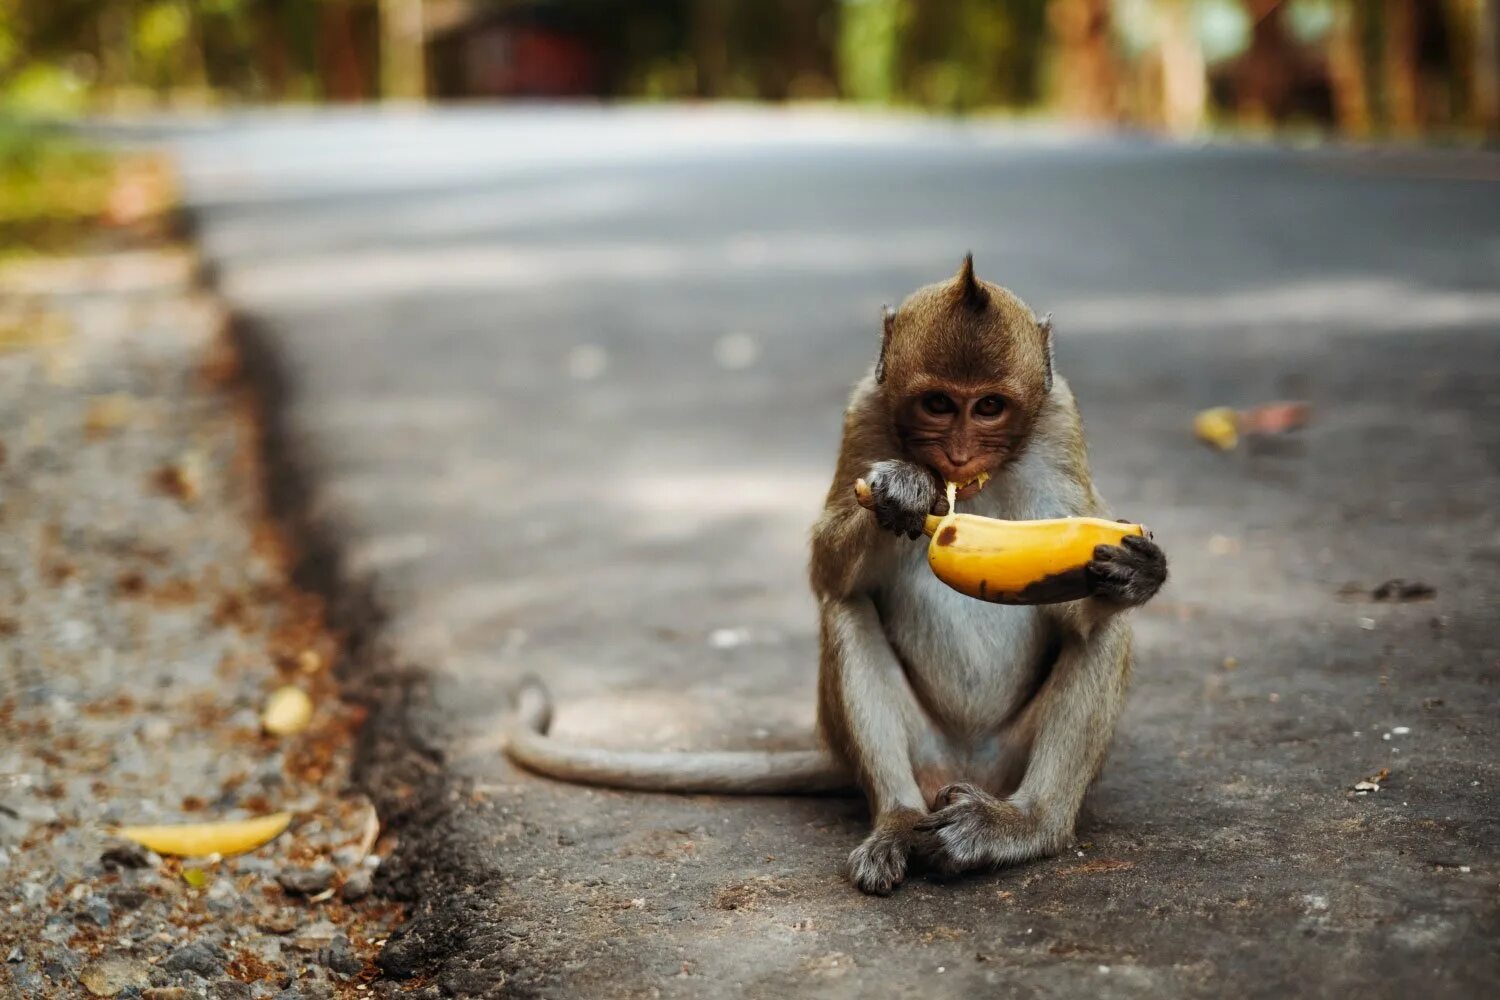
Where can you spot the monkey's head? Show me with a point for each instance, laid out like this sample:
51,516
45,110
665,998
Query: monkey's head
965,366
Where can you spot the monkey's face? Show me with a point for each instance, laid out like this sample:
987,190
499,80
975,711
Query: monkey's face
960,430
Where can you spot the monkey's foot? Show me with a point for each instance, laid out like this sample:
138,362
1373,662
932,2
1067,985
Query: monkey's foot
973,829
878,865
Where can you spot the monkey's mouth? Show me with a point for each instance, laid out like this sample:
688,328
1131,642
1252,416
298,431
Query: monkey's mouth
970,488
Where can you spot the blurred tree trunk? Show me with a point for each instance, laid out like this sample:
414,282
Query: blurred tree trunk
116,54
338,53
1184,75
1487,64
275,60
1346,68
403,71
1264,78
1402,76
1088,76
710,41
808,52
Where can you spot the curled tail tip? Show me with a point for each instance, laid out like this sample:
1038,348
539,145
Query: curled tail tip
532,704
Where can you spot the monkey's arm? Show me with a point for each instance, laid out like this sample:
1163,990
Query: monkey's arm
866,708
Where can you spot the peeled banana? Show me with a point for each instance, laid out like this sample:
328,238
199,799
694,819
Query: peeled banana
1015,562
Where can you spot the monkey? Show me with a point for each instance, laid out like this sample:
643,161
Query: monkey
972,729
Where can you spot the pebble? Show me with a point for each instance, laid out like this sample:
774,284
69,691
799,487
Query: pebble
128,899
105,977
280,922
339,956
199,956
229,989
167,993
358,885
93,910
125,856
306,881
315,936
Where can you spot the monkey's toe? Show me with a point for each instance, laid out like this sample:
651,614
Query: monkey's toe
878,865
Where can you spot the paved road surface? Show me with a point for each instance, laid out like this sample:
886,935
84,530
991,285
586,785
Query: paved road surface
568,383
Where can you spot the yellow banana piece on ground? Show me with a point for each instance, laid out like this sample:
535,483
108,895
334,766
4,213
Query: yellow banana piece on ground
199,840
1015,562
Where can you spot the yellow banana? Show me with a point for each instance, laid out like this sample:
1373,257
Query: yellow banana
197,840
1015,562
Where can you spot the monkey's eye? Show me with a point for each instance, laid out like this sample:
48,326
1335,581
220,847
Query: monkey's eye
938,404
990,406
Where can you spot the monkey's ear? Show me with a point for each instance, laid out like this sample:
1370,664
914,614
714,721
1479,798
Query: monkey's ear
888,323
970,291
1045,325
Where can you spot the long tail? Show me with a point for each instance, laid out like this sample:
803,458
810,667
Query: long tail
731,772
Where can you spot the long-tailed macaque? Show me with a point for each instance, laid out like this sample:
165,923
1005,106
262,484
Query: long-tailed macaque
973,729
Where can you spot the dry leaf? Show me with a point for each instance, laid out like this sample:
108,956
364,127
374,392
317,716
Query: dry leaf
107,413
198,840
1274,418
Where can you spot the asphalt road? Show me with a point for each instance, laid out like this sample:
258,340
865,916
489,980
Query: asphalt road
565,385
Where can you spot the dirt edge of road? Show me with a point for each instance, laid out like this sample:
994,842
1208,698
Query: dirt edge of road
435,869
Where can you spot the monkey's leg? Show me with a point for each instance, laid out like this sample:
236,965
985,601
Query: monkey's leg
877,712
1070,724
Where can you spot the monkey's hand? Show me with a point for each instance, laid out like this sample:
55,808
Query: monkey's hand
1128,574
901,495
973,829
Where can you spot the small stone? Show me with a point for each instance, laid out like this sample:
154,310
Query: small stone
229,989
125,856
306,881
199,956
92,910
105,977
167,993
126,900
316,936
310,990
339,956
357,886
279,922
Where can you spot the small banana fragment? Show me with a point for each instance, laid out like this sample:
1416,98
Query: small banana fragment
287,711
1014,562
1219,426
199,840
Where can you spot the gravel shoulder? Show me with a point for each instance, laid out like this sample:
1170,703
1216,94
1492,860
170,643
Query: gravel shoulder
146,612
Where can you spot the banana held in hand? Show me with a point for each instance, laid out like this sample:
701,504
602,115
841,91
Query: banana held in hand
1015,562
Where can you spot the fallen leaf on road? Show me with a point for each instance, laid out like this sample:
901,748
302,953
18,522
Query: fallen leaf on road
1219,427
1404,590
197,840
1372,783
108,413
1274,418
182,479
287,711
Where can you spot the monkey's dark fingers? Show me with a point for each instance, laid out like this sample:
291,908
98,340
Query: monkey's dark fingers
1109,553
1143,546
939,507
1105,574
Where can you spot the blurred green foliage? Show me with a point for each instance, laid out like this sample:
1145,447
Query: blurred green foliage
52,187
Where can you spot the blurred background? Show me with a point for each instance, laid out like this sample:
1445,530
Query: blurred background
1351,67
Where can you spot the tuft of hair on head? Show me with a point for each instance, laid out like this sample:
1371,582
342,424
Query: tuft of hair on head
887,327
970,292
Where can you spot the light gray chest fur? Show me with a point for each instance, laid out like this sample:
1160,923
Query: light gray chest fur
972,663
